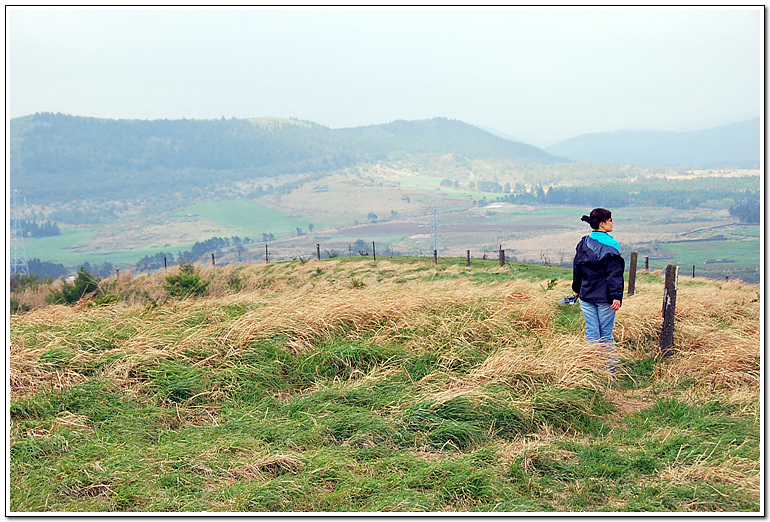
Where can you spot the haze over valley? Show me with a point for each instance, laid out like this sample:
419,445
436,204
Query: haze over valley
125,194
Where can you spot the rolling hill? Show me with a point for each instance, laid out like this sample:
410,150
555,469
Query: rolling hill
56,157
734,145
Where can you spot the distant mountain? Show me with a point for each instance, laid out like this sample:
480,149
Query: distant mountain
58,157
734,145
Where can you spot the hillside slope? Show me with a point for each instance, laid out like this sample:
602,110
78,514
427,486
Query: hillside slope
361,386
734,145
56,157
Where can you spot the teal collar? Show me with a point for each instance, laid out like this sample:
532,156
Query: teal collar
605,239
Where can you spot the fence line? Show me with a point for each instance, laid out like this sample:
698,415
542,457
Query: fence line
271,255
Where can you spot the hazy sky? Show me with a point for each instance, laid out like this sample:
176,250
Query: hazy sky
538,75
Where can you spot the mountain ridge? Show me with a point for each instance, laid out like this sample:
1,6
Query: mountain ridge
730,145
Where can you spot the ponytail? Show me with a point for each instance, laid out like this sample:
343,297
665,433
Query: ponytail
598,215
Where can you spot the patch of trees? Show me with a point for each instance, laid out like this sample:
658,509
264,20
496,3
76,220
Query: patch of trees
155,261
45,269
489,186
363,248
214,245
105,269
747,209
33,229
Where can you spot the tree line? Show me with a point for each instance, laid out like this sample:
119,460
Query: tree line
33,229
738,195
214,245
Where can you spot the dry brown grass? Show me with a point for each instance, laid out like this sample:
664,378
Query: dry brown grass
565,360
717,336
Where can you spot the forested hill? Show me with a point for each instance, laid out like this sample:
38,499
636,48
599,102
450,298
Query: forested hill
442,136
57,156
734,145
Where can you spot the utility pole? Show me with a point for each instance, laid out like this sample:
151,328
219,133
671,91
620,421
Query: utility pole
18,253
435,223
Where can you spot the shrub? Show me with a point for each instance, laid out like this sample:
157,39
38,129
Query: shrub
186,283
85,284
16,307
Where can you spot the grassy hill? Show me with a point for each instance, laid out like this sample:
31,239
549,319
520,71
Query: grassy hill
358,386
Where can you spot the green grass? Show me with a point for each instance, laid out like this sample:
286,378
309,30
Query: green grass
358,421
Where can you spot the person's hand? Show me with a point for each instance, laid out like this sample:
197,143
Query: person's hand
615,305
577,294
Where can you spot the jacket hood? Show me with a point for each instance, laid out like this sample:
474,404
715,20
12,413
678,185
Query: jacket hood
590,250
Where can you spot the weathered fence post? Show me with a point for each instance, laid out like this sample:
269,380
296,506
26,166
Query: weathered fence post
647,263
267,255
318,251
213,263
632,273
435,257
467,258
669,309
374,252
165,266
502,257
693,270
117,273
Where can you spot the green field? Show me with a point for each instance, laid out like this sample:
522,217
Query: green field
744,255
246,218
250,219
61,248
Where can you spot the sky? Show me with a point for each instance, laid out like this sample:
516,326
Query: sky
537,75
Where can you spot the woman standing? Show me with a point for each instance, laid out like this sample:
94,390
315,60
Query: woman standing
597,279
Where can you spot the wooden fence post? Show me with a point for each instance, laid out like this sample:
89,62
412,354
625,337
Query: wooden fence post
693,270
647,263
632,273
165,266
669,309
213,263
318,251
266,254
502,257
374,252
467,258
435,257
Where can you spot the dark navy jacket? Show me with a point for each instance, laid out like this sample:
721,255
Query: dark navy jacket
597,272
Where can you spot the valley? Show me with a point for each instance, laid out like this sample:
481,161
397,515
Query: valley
397,214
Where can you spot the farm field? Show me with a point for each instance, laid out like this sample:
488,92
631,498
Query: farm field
362,386
533,234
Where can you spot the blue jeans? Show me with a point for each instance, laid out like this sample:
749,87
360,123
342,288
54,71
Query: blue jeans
600,321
